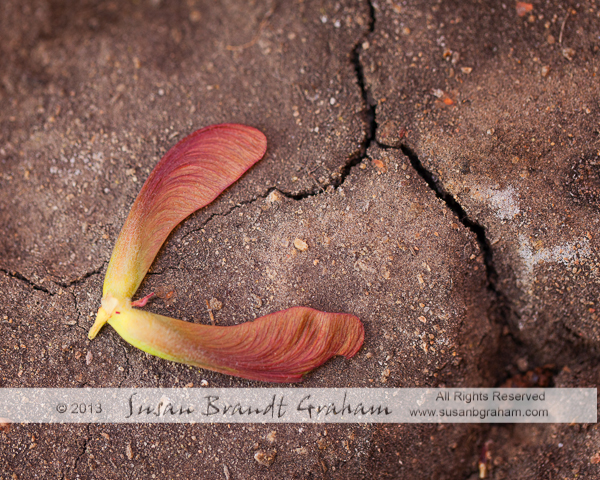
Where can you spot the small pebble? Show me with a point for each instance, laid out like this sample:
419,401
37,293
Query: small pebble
265,458
257,300
545,71
300,245
129,452
274,196
215,304
89,357
523,8
390,133
568,53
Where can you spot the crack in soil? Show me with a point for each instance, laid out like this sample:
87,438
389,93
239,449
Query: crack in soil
128,366
368,115
369,104
79,314
84,448
502,305
459,211
82,278
29,282
160,272
231,210
40,288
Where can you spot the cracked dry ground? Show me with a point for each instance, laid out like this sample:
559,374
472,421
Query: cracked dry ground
440,159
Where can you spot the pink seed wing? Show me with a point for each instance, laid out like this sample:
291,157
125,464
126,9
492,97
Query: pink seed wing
190,176
279,347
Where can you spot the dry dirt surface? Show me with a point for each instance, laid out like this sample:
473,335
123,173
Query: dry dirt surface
441,161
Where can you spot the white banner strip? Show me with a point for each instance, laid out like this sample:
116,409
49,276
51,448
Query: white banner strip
298,405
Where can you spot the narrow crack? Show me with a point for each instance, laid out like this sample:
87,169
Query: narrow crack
79,314
82,278
83,450
370,105
24,279
127,366
459,211
502,304
368,115
370,137
502,308
40,288
231,210
163,271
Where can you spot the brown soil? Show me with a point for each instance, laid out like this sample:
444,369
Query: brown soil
440,160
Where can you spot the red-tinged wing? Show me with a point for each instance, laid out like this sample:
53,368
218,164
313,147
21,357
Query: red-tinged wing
190,176
280,347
